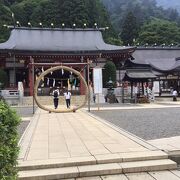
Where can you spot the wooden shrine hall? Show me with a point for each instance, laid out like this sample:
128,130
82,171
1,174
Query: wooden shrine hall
54,45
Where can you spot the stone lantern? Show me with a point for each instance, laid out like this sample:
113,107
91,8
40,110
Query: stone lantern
110,97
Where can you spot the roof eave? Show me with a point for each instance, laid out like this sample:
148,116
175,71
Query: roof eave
85,52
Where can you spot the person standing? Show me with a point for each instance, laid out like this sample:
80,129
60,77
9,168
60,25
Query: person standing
135,93
94,97
67,96
174,95
56,98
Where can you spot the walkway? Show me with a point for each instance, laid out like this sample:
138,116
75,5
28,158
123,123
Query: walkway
54,135
79,144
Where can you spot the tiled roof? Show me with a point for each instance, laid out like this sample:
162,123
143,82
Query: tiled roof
58,40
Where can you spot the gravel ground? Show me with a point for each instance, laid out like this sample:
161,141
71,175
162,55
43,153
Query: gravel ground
146,123
22,127
23,112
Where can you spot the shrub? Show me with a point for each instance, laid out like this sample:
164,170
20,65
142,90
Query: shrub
109,72
8,142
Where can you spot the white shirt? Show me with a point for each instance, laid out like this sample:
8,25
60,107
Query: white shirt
67,95
174,93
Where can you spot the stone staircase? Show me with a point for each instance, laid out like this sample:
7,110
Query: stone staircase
48,100
107,164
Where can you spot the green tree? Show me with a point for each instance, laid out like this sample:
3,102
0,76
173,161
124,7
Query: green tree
23,11
114,41
159,32
5,18
74,11
109,71
60,11
129,30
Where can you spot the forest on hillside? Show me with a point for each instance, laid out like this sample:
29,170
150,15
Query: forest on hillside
144,22
54,11
144,10
169,4
131,22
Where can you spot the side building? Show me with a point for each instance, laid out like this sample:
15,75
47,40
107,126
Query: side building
163,62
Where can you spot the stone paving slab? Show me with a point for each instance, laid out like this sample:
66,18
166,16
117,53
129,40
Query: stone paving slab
58,173
158,175
176,172
56,163
164,175
92,160
114,177
152,165
65,135
141,156
139,176
170,145
95,170
100,169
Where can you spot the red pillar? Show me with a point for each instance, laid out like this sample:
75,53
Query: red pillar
30,81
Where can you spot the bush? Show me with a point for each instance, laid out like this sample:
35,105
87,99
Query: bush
109,72
8,142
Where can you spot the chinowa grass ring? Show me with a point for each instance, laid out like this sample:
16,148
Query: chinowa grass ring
55,69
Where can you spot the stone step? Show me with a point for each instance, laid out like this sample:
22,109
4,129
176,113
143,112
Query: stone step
97,170
98,159
48,100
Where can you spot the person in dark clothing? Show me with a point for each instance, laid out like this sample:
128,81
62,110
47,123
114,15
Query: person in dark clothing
94,97
56,98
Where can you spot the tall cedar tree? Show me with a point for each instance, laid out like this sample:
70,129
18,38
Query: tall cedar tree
159,31
129,30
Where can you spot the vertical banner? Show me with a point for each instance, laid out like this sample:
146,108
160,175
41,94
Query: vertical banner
97,80
156,88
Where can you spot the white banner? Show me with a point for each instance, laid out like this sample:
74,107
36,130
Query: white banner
156,86
97,80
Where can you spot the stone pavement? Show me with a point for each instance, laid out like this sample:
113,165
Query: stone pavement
72,145
54,135
170,145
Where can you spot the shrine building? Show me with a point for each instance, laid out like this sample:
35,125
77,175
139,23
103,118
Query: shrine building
55,45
